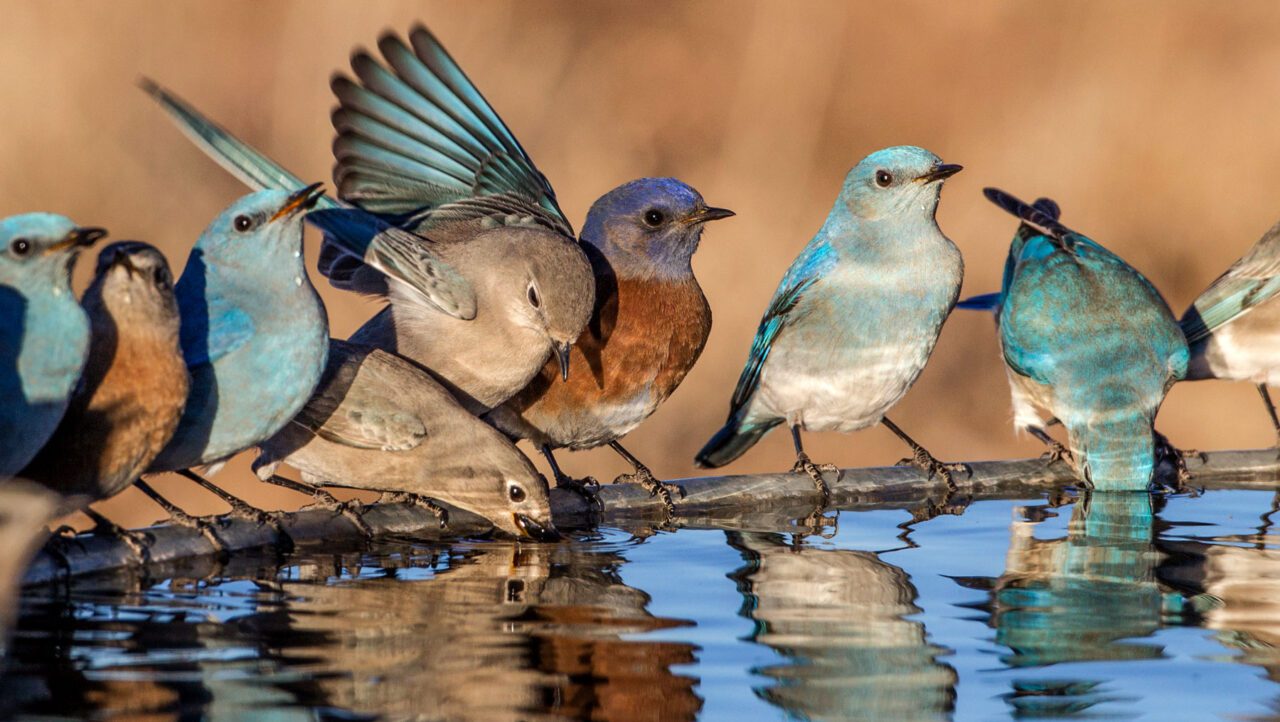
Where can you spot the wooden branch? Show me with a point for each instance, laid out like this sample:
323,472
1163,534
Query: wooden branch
746,502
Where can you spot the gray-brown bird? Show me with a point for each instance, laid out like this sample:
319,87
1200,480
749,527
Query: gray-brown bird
135,382
378,422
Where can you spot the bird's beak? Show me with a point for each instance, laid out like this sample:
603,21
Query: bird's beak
942,171
302,200
536,531
707,213
562,353
79,238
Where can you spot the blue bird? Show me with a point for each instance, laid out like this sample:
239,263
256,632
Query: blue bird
44,333
855,318
1233,328
1089,341
254,332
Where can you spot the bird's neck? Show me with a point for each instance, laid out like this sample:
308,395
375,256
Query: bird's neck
650,262
891,237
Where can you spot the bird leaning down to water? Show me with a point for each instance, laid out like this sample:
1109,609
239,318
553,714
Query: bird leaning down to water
44,333
855,318
1088,340
134,386
379,422
1233,328
254,333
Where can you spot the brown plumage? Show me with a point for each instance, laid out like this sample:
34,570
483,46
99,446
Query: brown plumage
643,339
135,382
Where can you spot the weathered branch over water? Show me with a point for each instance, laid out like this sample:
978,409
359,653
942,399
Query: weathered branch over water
746,502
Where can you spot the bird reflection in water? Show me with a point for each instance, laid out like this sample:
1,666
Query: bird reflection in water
1090,596
838,617
496,631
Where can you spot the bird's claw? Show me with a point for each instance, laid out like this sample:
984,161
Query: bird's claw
348,510
925,462
804,465
1057,452
656,488
420,501
587,487
203,526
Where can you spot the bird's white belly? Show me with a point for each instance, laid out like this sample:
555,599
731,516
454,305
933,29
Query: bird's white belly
844,399
1244,357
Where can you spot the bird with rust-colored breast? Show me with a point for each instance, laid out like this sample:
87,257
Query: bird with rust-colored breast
134,386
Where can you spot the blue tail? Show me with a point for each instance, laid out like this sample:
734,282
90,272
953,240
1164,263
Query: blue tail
985,302
731,442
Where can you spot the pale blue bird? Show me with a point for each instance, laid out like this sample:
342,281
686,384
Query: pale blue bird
856,316
44,333
1233,328
1089,341
254,332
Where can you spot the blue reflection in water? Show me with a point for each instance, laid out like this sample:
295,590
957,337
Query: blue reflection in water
1120,605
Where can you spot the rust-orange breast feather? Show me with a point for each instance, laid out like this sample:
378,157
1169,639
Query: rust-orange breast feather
643,339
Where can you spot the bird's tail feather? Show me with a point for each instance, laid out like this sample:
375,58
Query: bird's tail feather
984,302
240,159
731,442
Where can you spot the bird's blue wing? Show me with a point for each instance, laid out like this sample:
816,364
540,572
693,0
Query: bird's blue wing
415,135
775,319
210,336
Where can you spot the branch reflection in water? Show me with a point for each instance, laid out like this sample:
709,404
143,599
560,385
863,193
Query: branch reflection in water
838,617
494,631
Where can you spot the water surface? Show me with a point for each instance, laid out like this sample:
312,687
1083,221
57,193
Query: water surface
1121,606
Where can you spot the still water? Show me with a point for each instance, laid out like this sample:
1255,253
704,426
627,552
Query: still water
1123,607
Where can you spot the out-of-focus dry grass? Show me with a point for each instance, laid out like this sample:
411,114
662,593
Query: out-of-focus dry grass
1153,123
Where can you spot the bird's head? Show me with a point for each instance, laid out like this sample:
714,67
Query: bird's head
260,227
1113,440
550,289
902,181
134,283
514,496
39,249
650,228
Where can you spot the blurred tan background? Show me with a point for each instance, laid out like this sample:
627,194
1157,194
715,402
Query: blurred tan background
1152,123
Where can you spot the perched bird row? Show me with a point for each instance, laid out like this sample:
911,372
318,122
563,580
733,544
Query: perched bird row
501,324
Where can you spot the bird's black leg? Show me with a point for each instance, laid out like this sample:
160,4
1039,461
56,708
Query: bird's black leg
138,541
804,465
1271,409
418,500
182,518
1056,452
239,507
1177,457
923,460
325,500
585,487
646,479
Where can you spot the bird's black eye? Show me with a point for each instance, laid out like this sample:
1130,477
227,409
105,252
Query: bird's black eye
654,217
534,299
243,223
883,178
162,279
516,493
20,247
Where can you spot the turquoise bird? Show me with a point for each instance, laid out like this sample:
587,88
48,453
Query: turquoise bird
1087,340
254,335
1233,328
855,318
44,333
